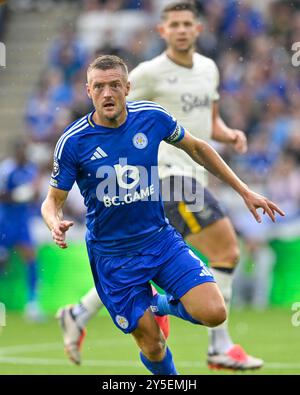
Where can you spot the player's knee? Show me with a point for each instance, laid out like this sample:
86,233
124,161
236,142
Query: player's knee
215,316
234,254
229,255
154,350
152,344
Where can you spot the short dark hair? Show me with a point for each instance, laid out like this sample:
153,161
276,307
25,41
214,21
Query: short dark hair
107,62
180,6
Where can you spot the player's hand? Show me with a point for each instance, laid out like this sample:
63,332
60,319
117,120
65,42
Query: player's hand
254,201
240,144
59,233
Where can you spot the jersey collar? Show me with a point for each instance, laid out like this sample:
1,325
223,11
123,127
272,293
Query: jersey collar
95,126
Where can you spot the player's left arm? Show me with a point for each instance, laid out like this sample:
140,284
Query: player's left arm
203,154
222,133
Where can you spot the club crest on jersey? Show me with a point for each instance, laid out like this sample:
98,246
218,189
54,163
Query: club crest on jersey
140,141
122,321
55,171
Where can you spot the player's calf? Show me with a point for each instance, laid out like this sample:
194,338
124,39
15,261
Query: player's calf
149,338
155,356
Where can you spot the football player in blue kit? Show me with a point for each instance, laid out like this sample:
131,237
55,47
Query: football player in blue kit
18,191
112,155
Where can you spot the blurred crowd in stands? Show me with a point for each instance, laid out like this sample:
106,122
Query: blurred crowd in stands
260,88
3,11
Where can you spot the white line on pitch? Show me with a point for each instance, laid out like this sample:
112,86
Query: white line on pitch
116,363
24,348
65,362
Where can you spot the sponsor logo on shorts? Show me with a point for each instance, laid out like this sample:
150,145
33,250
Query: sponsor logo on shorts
122,321
154,309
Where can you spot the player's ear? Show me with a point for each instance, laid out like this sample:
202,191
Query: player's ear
160,29
200,27
88,90
127,88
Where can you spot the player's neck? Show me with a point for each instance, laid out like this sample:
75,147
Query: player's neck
110,123
184,59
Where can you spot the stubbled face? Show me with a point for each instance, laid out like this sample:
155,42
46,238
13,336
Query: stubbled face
180,30
108,90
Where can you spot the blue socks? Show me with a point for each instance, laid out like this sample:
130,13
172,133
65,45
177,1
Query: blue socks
166,305
32,278
164,367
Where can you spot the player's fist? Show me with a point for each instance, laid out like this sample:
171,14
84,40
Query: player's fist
240,141
59,233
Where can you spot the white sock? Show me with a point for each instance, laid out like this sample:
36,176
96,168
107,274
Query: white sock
88,307
219,338
264,259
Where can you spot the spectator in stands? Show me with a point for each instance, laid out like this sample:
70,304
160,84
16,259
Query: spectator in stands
67,53
145,5
3,15
60,91
40,113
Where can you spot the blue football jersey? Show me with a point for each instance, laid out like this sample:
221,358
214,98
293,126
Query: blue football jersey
12,176
116,171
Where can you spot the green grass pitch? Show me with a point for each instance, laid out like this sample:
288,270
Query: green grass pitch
27,348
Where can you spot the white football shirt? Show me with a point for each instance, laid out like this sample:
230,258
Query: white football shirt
188,94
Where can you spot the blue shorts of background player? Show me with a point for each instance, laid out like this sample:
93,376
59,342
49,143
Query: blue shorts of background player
15,232
122,282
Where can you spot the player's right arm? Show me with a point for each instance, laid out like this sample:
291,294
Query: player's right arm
53,215
222,133
62,179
